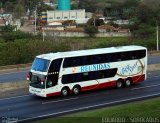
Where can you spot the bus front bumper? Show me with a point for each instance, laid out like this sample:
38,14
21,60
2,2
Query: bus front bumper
37,91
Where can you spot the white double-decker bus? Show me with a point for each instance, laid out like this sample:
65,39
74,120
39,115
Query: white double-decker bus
65,73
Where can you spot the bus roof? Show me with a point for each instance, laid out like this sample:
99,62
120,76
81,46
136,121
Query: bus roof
52,56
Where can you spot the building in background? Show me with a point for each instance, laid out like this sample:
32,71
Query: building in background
8,18
60,15
44,17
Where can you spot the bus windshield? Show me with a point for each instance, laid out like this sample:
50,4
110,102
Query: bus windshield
40,65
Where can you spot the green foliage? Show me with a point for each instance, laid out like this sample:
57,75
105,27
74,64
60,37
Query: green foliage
44,8
74,6
91,30
147,110
19,11
95,22
6,28
24,51
12,36
144,31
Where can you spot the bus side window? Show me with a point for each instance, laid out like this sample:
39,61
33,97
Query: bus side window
134,55
72,62
119,56
65,79
55,65
111,72
85,76
89,60
108,57
66,62
125,56
78,77
102,74
84,60
114,57
101,58
129,55
75,61
142,54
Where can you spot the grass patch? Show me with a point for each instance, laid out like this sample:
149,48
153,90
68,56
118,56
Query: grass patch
138,111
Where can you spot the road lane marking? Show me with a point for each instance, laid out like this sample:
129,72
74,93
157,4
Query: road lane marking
14,97
150,77
59,100
149,86
88,107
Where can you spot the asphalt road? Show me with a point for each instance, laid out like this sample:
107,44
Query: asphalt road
29,107
21,75
13,76
154,59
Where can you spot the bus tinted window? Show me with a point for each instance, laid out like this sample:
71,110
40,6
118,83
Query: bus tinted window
55,65
103,58
78,77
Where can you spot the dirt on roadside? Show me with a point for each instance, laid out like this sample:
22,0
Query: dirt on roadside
13,93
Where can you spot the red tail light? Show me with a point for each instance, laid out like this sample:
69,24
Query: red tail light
28,77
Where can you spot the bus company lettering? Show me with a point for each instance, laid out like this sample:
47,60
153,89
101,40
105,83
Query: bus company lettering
94,67
129,69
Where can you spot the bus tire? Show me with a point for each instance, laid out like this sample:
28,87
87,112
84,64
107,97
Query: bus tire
128,82
119,83
65,91
76,90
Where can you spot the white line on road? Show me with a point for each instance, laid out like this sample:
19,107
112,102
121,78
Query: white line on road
14,97
60,100
92,106
149,86
150,77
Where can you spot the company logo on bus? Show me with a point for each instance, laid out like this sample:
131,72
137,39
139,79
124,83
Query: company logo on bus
95,67
132,69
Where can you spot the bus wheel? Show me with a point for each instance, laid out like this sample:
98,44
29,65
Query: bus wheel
119,83
76,90
65,92
128,82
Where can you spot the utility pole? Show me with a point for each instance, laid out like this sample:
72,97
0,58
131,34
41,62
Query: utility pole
94,22
157,36
35,27
43,33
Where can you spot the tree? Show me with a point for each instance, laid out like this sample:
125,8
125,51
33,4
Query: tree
95,22
144,31
31,5
44,8
7,28
91,30
19,11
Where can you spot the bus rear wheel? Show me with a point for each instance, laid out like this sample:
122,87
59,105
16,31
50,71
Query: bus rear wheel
128,82
119,83
76,90
65,92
